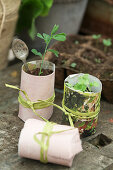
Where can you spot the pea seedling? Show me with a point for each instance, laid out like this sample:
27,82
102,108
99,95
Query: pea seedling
47,39
107,43
96,37
83,84
73,65
63,61
76,42
98,60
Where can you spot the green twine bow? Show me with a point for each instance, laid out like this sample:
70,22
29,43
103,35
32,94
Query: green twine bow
27,103
45,103
45,139
47,130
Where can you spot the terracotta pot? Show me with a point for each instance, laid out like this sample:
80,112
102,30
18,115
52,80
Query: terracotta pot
37,87
62,146
84,105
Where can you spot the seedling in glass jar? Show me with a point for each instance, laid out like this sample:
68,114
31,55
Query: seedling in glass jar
96,37
107,43
47,39
83,84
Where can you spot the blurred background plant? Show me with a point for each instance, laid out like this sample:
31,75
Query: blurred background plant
29,11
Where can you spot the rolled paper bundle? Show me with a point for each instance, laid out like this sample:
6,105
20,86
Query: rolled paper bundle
63,142
83,106
37,87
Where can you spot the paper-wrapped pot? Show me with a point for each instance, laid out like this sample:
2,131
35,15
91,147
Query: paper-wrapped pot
85,106
62,146
37,88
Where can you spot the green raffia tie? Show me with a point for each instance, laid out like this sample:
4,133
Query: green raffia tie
45,103
45,139
47,130
32,105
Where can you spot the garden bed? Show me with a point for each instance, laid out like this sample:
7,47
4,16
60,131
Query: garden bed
83,54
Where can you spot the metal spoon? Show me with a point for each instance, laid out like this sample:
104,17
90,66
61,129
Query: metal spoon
21,51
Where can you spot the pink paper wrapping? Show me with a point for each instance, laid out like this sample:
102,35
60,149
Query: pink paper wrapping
63,146
37,87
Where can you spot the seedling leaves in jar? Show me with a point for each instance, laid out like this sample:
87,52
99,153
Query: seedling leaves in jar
83,84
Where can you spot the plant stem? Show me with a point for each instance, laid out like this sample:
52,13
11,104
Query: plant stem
40,72
105,49
97,43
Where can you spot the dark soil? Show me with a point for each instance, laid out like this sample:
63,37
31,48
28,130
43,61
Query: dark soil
108,74
93,56
35,72
88,55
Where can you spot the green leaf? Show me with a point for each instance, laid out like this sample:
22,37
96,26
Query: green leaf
107,42
54,30
47,38
54,51
73,65
60,37
29,11
98,60
69,85
47,4
40,36
83,83
96,36
96,84
34,51
84,79
76,42
81,87
32,30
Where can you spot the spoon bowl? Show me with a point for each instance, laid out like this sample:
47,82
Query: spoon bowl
20,50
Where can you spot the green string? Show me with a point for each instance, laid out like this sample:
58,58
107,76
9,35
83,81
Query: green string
80,115
45,139
44,144
33,105
45,103
47,130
